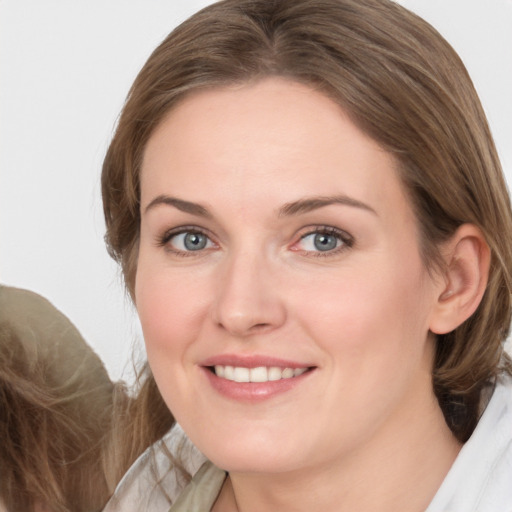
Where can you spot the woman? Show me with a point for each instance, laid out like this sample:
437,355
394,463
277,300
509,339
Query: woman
311,219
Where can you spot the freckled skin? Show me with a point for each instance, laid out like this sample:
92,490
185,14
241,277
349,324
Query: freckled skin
358,312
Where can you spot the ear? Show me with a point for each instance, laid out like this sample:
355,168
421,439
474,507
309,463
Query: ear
464,279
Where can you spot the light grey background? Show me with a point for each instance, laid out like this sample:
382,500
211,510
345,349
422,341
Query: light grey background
65,68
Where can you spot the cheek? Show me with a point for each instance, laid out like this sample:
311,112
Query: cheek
372,327
374,308
171,313
170,309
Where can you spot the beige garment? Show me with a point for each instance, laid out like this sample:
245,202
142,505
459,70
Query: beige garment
152,484
203,490
50,337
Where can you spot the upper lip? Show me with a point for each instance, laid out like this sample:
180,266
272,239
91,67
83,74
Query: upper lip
252,361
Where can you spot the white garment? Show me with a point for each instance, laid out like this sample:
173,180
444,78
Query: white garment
480,479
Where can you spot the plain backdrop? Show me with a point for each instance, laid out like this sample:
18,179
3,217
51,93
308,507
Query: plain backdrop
65,69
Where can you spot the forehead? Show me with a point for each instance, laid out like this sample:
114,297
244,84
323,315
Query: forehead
274,139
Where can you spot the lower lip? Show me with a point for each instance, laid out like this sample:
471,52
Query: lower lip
253,391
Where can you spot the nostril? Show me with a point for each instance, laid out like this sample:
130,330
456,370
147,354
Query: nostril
259,327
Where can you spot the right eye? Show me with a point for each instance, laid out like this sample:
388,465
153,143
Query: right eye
187,241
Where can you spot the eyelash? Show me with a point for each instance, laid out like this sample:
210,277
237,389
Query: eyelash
163,241
347,241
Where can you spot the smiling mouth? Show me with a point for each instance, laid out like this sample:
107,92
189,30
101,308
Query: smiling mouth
258,374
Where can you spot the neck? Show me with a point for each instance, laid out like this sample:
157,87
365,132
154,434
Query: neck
399,469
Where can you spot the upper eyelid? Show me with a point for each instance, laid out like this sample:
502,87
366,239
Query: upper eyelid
346,238
164,238
331,230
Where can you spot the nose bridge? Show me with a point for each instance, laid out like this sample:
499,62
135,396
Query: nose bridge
247,298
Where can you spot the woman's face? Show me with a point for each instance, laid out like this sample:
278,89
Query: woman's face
278,246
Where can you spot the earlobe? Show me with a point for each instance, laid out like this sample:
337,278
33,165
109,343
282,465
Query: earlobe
467,258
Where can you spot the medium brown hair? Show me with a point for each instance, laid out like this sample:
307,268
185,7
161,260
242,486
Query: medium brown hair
402,84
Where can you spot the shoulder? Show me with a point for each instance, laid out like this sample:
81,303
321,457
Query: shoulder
480,478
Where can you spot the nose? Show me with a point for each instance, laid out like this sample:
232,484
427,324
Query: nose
248,297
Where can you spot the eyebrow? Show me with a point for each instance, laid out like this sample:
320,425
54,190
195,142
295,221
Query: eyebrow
309,204
180,204
298,207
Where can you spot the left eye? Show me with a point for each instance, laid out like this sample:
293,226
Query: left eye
190,241
321,242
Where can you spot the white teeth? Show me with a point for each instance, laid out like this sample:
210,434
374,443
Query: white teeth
241,374
274,373
229,373
287,373
258,374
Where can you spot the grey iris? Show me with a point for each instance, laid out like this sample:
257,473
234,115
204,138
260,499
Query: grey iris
194,241
325,242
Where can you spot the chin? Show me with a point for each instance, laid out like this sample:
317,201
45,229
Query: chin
252,463
251,455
